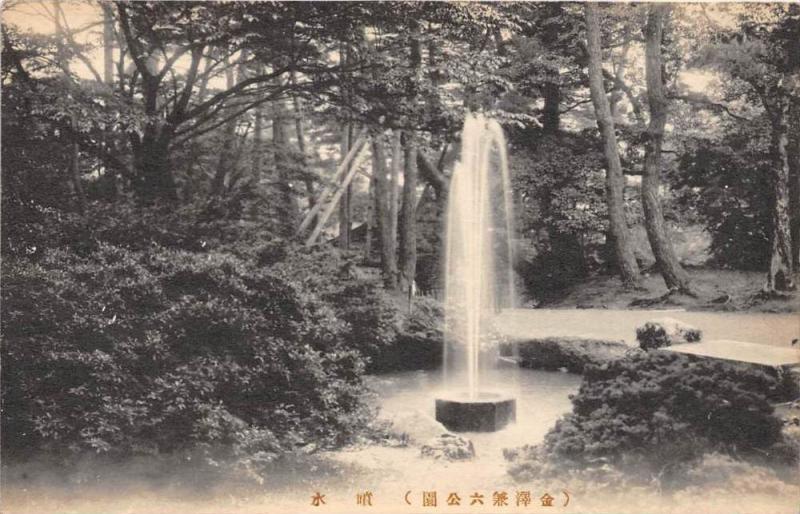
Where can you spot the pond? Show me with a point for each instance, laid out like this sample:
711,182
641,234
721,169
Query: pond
394,474
542,397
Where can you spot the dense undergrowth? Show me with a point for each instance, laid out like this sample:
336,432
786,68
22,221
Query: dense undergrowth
143,333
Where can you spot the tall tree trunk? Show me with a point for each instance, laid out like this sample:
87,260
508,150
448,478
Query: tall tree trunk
257,150
613,99
288,211
552,101
615,181
347,140
74,154
794,181
408,213
225,158
551,89
675,277
300,133
408,224
387,230
780,276
107,141
153,180
369,223
188,190
345,209
394,198
108,45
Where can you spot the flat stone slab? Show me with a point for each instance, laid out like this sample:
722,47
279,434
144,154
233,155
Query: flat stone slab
740,351
620,325
488,412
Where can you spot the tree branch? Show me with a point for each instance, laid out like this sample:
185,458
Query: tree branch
573,106
133,44
65,31
191,78
629,94
703,101
432,174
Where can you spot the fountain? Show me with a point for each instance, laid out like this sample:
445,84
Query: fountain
479,278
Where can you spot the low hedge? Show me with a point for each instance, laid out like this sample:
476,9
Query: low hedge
570,353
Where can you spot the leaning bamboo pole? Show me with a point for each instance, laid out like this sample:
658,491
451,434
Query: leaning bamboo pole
337,195
340,170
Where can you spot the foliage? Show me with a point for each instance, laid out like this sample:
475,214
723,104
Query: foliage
571,353
40,227
561,207
369,314
665,332
653,413
728,181
419,343
131,351
560,184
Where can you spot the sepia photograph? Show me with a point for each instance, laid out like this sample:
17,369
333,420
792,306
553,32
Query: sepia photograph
399,257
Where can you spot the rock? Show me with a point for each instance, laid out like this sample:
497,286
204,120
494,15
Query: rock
448,447
415,426
666,332
726,298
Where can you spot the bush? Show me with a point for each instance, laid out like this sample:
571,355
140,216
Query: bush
572,353
727,182
665,332
655,413
419,343
370,316
131,351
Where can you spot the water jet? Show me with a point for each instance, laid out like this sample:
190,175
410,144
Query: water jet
479,278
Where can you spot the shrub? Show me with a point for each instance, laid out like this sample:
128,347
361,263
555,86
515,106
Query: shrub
655,413
370,316
665,332
572,353
419,343
154,351
726,180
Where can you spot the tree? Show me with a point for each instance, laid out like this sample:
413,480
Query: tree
762,54
675,277
387,232
408,214
545,62
615,181
284,38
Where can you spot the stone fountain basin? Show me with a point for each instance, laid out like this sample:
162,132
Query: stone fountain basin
486,412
